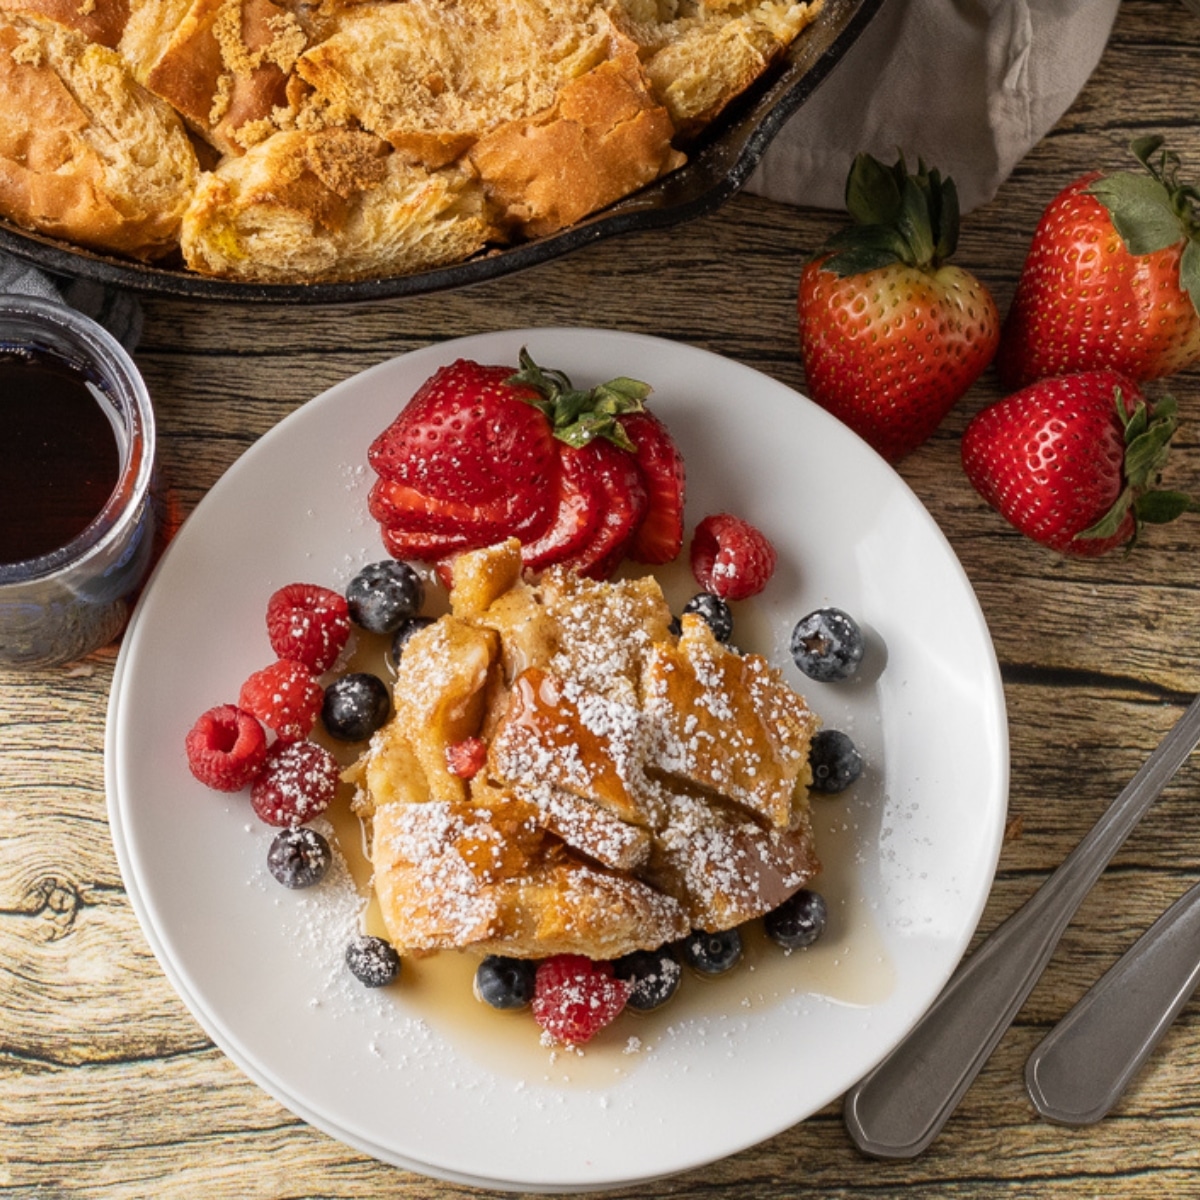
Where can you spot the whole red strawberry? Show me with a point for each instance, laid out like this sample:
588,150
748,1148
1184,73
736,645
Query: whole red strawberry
890,335
1112,278
1072,461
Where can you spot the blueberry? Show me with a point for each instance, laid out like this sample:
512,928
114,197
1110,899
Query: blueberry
712,953
299,857
835,761
402,635
505,982
355,706
383,595
798,921
372,960
715,612
655,975
827,645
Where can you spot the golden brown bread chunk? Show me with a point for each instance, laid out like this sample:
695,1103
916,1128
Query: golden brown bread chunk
555,733
701,54
99,21
727,723
333,204
86,154
486,876
603,630
722,865
432,77
223,65
440,691
603,137
595,832
638,784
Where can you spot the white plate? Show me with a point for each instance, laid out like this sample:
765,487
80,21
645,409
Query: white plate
911,849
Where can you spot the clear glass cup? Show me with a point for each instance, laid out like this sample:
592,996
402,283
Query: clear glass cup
74,599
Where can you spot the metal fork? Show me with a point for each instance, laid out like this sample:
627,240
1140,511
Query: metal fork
901,1106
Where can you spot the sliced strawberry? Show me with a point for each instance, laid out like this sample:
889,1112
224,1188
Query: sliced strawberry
405,543
659,537
399,506
579,513
469,435
624,503
423,547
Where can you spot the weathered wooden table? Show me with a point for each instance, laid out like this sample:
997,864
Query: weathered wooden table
109,1088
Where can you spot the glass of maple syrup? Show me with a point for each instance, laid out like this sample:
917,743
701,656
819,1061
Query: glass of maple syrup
76,460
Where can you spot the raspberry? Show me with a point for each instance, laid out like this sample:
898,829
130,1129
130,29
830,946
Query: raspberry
297,783
285,697
730,558
465,758
309,624
574,997
226,748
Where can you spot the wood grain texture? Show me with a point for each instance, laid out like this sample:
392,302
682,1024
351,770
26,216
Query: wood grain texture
109,1088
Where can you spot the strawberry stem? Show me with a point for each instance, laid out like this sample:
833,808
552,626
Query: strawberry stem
577,416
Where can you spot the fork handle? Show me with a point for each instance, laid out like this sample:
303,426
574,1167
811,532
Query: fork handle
1083,1065
901,1106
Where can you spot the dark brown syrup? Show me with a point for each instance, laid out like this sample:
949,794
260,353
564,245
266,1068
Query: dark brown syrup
59,458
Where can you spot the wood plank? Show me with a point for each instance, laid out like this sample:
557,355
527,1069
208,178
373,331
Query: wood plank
108,1087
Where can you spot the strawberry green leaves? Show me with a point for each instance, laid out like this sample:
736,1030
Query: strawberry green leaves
898,217
1154,211
578,416
1147,444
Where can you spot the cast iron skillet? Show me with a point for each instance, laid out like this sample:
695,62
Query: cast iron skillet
718,166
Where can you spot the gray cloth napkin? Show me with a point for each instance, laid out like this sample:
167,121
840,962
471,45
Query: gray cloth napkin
119,312
970,86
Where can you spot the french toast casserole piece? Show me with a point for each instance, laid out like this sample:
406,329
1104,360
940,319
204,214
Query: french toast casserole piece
638,784
318,140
